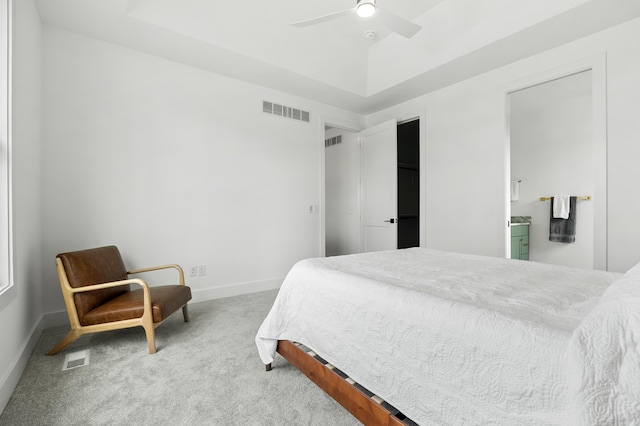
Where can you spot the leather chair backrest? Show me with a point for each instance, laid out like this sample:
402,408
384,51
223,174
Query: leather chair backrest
94,266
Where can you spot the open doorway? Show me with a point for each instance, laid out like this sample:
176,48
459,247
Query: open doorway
558,147
409,184
343,190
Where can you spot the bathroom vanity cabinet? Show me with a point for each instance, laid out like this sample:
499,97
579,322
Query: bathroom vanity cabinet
520,241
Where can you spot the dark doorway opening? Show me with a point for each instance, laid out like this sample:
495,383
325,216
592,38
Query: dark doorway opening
409,184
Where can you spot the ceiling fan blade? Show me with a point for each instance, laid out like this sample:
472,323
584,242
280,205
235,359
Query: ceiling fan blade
396,24
321,19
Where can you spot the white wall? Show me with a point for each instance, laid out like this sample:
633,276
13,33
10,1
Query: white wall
552,152
342,196
21,310
175,164
465,148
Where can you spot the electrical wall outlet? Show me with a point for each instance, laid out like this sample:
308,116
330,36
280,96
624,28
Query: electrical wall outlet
193,271
202,270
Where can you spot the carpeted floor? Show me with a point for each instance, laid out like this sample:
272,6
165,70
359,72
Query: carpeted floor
206,372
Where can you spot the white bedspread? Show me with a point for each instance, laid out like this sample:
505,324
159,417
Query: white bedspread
453,339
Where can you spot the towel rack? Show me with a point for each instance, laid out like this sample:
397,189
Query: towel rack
581,198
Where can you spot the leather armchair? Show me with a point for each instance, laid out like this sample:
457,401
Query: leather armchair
98,296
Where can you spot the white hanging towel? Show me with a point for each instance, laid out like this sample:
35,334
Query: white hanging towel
561,206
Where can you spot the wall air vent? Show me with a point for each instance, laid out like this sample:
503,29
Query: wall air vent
285,111
332,141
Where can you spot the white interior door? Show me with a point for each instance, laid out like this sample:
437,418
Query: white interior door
379,175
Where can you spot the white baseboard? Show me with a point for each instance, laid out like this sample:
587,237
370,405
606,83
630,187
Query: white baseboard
235,290
10,380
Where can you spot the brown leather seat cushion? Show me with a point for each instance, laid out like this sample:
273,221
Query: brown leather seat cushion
164,301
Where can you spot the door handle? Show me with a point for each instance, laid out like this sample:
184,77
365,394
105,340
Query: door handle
390,221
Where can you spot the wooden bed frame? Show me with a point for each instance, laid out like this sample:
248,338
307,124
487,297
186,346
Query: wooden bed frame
362,404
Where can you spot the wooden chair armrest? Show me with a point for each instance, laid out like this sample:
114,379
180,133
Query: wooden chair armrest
93,287
146,295
157,268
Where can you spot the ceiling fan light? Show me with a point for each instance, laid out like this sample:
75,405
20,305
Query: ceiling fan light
366,8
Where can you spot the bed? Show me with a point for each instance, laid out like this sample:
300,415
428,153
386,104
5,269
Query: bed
453,339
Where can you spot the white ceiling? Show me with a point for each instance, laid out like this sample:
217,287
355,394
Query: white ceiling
254,41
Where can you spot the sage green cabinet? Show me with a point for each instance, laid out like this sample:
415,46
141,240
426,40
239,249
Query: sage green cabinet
520,242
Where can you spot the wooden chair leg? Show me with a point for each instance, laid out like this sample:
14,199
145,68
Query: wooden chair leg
71,337
185,313
151,338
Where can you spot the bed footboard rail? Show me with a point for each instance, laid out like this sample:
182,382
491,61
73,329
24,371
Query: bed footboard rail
366,407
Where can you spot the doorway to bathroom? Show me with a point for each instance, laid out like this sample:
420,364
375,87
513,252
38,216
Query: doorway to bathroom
554,150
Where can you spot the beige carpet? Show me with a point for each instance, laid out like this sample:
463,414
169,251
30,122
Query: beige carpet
206,372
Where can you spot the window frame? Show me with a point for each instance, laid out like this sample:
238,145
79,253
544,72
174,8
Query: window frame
7,287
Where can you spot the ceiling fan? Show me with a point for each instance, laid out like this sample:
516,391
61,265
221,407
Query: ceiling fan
366,8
